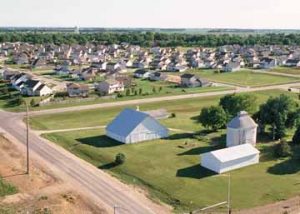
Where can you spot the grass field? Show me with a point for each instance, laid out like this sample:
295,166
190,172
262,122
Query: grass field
245,78
6,188
169,168
285,70
184,109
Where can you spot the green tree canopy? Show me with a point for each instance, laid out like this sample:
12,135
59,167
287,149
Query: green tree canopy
234,103
213,117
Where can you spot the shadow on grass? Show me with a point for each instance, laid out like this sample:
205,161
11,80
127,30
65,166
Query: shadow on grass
108,166
290,166
201,150
196,172
99,141
179,136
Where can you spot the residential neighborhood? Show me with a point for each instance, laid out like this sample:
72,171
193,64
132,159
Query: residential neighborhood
149,107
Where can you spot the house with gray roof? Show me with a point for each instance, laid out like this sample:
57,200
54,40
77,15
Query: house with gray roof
132,126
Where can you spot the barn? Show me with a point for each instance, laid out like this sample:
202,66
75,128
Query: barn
132,126
240,130
231,158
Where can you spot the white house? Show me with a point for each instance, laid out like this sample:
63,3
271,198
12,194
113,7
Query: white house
132,126
240,130
109,86
228,159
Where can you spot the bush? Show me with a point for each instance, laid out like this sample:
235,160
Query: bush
33,103
173,115
282,149
120,158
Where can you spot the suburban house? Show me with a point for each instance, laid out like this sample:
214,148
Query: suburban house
77,90
292,63
231,158
267,63
231,67
191,80
141,73
109,86
157,76
35,88
132,126
240,130
8,74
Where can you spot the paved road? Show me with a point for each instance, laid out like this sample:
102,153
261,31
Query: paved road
159,99
89,180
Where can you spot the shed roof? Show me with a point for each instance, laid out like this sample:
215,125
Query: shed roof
242,121
234,153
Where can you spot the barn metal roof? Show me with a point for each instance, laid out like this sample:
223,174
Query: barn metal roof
126,122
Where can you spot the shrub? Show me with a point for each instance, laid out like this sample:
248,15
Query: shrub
173,115
120,158
282,149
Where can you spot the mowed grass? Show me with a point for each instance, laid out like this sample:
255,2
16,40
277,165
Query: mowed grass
184,109
169,169
286,70
6,188
245,78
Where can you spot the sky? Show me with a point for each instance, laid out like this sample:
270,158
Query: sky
258,14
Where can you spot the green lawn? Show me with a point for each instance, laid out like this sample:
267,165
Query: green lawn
286,70
184,109
6,188
245,78
170,170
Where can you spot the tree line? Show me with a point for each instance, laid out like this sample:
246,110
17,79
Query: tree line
149,39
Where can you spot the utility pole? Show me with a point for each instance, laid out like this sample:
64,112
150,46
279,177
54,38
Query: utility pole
229,194
27,136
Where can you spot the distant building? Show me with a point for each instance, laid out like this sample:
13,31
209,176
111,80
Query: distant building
132,126
77,30
77,90
241,130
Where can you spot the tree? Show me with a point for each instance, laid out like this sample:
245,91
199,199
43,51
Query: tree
234,103
213,117
140,91
120,158
275,113
154,90
282,149
127,92
159,89
32,103
296,137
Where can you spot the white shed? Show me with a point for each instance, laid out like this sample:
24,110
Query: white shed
132,126
240,130
228,159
